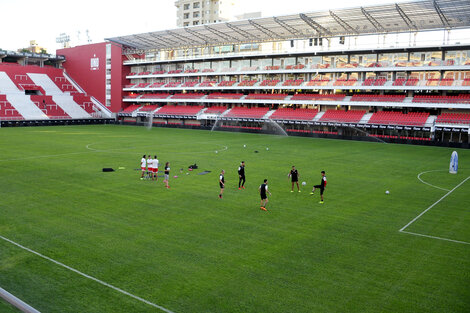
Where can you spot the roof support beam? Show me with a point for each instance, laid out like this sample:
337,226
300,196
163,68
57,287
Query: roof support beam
373,21
343,24
220,34
287,27
444,20
147,41
321,31
197,35
405,18
241,32
264,30
166,41
184,40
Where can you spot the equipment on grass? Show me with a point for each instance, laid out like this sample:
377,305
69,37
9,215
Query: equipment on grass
387,192
304,183
454,163
244,146
108,169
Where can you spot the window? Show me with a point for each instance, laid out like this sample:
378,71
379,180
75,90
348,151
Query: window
186,24
195,14
196,23
186,6
186,15
196,5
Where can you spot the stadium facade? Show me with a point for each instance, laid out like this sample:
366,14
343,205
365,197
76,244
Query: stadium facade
356,73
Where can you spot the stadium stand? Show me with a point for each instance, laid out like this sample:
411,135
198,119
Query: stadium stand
262,96
453,118
318,97
155,96
216,110
351,116
218,95
179,110
244,112
378,98
294,114
188,95
399,118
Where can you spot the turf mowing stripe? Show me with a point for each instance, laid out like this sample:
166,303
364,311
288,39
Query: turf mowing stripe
88,276
434,237
443,197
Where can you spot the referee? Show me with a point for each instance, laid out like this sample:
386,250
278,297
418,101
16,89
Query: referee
241,176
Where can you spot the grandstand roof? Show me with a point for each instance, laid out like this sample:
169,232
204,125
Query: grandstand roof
421,15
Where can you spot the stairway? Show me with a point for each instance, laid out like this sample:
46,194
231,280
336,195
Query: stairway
64,100
21,102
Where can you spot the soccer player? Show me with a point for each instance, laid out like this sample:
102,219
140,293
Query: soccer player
221,183
263,189
150,167
294,175
167,175
155,168
143,166
321,186
241,175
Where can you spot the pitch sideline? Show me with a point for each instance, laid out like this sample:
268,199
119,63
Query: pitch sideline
402,230
88,276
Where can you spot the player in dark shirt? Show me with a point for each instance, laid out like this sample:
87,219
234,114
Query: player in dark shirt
241,175
263,189
221,183
167,175
321,186
294,175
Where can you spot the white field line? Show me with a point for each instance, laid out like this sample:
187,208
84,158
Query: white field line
88,276
434,237
419,177
402,230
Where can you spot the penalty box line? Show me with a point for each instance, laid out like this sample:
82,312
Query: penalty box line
402,230
88,276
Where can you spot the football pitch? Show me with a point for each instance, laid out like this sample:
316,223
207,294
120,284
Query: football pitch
75,239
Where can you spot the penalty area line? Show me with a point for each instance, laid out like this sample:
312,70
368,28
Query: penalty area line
88,276
402,230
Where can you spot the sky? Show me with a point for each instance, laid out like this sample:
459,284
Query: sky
45,20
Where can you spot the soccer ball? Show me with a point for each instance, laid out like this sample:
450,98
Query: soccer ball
244,146
216,151
304,183
267,149
387,192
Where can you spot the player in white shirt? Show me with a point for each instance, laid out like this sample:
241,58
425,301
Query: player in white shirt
155,168
150,167
143,166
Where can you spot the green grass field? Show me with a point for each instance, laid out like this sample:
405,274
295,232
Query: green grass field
187,251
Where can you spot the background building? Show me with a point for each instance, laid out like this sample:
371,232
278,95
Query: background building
197,12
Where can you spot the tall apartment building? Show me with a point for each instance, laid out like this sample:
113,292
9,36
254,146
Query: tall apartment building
197,12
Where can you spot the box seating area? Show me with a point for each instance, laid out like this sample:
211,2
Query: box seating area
454,118
412,81
191,71
247,83
399,82
172,84
208,70
142,85
345,82
466,82
433,82
188,96
155,96
208,83
148,108
218,95
190,84
464,98
295,67
380,82
227,83
158,73
446,82
399,118
263,96
157,85
250,68
144,73
216,110
293,82
247,112
175,72
179,110
369,82
129,85
272,68
351,116
318,97
131,108
378,98
319,82
294,114
270,83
